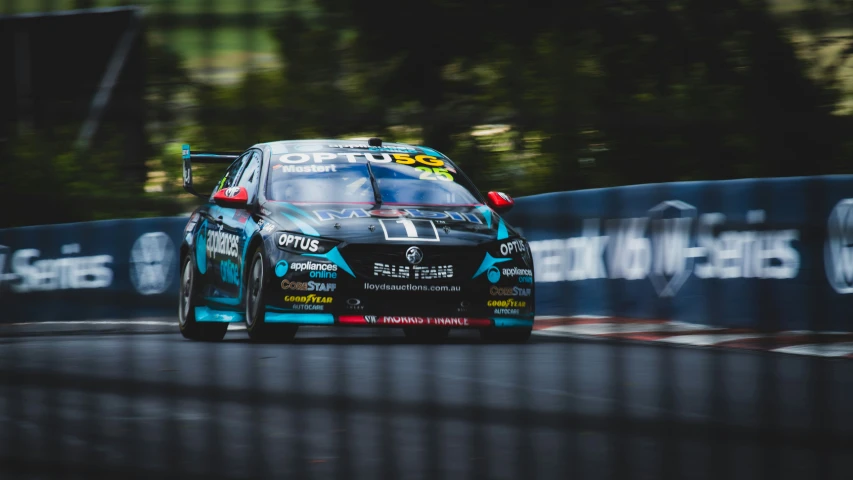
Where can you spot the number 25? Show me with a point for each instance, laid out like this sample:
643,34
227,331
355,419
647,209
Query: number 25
435,173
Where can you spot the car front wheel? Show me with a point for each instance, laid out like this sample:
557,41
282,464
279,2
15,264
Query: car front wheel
258,329
209,332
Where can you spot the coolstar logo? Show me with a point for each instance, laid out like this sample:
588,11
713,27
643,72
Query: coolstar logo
311,299
222,243
667,247
508,303
309,168
513,246
308,286
415,272
838,251
298,242
509,291
30,274
327,215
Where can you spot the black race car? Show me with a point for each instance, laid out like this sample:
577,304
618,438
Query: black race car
342,232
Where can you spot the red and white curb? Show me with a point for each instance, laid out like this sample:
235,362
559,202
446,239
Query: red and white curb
822,344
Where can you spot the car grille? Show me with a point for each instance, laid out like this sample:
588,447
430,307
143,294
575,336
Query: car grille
361,258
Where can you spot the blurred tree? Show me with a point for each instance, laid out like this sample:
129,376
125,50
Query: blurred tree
595,93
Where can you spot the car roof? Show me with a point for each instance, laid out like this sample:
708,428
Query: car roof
279,146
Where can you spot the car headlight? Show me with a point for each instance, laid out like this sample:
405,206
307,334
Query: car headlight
298,243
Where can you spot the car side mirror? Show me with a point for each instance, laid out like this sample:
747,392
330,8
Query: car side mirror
500,202
232,197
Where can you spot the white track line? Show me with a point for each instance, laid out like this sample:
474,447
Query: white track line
821,350
96,322
610,328
708,339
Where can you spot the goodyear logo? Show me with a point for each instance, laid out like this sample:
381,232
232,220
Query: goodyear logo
310,299
509,302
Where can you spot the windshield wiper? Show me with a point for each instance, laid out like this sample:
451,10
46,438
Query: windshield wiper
377,197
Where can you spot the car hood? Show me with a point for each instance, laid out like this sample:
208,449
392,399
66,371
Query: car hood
414,224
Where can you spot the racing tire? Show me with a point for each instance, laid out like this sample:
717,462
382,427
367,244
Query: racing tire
506,335
256,281
427,335
190,329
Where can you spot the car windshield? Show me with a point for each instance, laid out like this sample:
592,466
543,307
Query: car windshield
350,183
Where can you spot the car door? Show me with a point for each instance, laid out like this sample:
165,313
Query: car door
236,223
221,244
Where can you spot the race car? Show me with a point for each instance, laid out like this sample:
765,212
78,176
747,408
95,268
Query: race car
350,233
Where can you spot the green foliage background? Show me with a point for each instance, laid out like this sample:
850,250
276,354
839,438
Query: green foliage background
528,97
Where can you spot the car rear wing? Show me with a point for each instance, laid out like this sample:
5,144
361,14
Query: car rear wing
202,157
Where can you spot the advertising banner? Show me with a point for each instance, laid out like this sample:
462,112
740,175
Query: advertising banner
758,253
755,253
90,270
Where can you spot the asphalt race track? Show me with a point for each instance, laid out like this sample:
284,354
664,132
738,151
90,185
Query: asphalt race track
345,403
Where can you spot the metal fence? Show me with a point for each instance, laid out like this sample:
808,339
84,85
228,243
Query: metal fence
131,400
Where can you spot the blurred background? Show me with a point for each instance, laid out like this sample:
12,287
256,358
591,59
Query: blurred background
97,96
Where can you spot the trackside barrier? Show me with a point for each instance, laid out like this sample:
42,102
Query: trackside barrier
742,253
90,270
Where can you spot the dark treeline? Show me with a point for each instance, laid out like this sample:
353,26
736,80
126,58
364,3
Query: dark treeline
585,93
597,93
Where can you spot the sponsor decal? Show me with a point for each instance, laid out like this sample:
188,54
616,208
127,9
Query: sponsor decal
290,241
507,311
415,213
414,255
408,287
668,247
507,303
422,321
405,229
229,272
838,250
354,304
413,272
316,270
493,274
309,286
266,226
310,299
241,216
509,291
306,266
306,168
354,157
513,246
389,148
281,268
222,243
232,192
152,263
29,273
517,272
310,308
